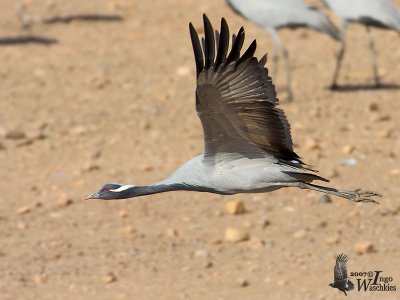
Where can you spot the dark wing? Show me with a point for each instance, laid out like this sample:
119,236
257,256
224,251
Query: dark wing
340,271
236,99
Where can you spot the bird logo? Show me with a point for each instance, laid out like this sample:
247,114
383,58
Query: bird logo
341,282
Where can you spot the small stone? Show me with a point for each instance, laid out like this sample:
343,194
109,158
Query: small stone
145,168
256,243
333,173
24,210
2,147
65,201
282,282
40,279
395,172
387,211
324,199
300,234
109,278
364,247
242,282
236,235
172,232
21,225
312,144
264,222
128,230
78,130
95,154
183,71
384,134
15,134
144,125
373,106
348,149
235,207
348,162
91,166
208,265
333,239
123,214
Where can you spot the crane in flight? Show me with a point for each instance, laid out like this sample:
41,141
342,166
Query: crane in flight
272,15
248,146
372,13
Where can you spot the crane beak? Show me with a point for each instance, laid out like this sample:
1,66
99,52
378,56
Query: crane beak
92,196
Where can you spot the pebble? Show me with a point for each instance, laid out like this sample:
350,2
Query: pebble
145,168
172,232
144,125
236,235
65,200
109,278
364,247
324,199
264,222
128,230
123,214
312,144
373,106
242,282
2,147
348,149
384,134
183,71
282,282
300,234
91,166
40,279
15,134
24,210
235,207
333,239
395,172
348,162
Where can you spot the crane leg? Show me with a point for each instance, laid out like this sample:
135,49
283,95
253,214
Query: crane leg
24,23
288,74
339,60
371,46
356,195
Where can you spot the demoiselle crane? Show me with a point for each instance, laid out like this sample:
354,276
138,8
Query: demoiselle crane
272,15
248,147
372,13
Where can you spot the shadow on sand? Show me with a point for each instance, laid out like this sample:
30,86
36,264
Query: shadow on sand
84,18
27,40
364,87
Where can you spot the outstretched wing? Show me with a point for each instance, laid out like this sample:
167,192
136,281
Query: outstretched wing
236,99
340,271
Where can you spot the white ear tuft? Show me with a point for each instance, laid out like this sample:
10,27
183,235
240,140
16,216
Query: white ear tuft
122,188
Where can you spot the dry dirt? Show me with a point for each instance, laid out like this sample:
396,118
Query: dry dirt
114,102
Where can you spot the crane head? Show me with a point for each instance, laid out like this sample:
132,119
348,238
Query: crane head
109,191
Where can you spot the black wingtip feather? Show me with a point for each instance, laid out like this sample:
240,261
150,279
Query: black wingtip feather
249,53
236,47
209,49
198,53
223,43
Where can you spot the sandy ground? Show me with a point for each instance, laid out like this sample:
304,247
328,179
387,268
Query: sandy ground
114,102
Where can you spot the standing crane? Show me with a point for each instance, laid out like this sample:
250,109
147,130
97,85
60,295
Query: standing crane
248,146
272,15
372,13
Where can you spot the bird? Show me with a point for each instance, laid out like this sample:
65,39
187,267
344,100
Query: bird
247,140
372,13
341,281
272,15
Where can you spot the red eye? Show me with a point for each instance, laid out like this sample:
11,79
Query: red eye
107,189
